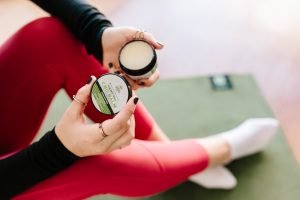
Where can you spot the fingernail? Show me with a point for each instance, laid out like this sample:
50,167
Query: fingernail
135,100
117,72
110,65
89,80
142,83
160,43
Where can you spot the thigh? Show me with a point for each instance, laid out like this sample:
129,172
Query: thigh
28,83
37,61
142,169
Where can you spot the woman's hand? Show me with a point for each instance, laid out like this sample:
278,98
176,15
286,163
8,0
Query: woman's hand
113,39
90,139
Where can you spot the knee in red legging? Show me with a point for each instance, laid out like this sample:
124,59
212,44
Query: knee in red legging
44,57
34,62
46,38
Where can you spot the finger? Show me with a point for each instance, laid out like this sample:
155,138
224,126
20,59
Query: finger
97,133
100,143
111,60
116,63
82,97
126,138
119,72
123,133
150,38
122,141
132,126
133,83
112,65
150,81
121,122
127,111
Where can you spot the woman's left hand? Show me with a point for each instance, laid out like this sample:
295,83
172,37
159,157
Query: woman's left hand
113,39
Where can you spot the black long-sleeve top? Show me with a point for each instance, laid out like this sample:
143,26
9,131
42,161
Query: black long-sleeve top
84,20
33,164
49,156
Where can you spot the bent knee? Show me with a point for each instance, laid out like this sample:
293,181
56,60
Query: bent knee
44,31
43,26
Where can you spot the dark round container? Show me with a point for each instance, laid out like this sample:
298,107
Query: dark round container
137,59
110,93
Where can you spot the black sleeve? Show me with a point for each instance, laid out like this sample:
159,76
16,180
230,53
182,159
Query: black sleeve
37,162
84,20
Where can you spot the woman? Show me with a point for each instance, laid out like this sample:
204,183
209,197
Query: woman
76,160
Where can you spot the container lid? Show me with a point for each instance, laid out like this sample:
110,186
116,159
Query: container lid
129,48
110,93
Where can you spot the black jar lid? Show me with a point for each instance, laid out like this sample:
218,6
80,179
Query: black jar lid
101,100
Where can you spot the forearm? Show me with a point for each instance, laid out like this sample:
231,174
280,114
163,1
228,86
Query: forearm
84,20
37,162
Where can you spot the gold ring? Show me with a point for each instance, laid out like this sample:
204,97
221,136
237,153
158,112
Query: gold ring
102,131
79,101
135,35
139,35
143,34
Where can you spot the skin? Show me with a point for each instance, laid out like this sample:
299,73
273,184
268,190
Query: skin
217,148
113,40
85,139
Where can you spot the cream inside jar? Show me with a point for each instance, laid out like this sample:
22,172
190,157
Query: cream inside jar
110,93
138,59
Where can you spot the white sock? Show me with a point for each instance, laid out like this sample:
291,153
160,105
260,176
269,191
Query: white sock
217,177
250,137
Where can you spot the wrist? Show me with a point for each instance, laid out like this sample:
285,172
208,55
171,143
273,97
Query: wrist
99,54
65,141
60,149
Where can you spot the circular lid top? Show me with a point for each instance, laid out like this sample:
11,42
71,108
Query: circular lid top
110,93
137,55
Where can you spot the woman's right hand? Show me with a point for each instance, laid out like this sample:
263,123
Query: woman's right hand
84,139
113,39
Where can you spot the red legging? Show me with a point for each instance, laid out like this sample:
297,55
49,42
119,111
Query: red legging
44,57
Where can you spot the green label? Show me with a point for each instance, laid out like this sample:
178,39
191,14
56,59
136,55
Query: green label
110,94
100,100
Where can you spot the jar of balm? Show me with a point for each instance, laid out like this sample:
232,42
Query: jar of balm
110,93
138,59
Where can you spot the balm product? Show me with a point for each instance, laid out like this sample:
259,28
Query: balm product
110,93
138,59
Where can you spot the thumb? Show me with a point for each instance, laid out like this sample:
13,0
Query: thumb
82,97
150,38
128,110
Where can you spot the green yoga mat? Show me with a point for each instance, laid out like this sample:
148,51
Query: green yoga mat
187,108
190,108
